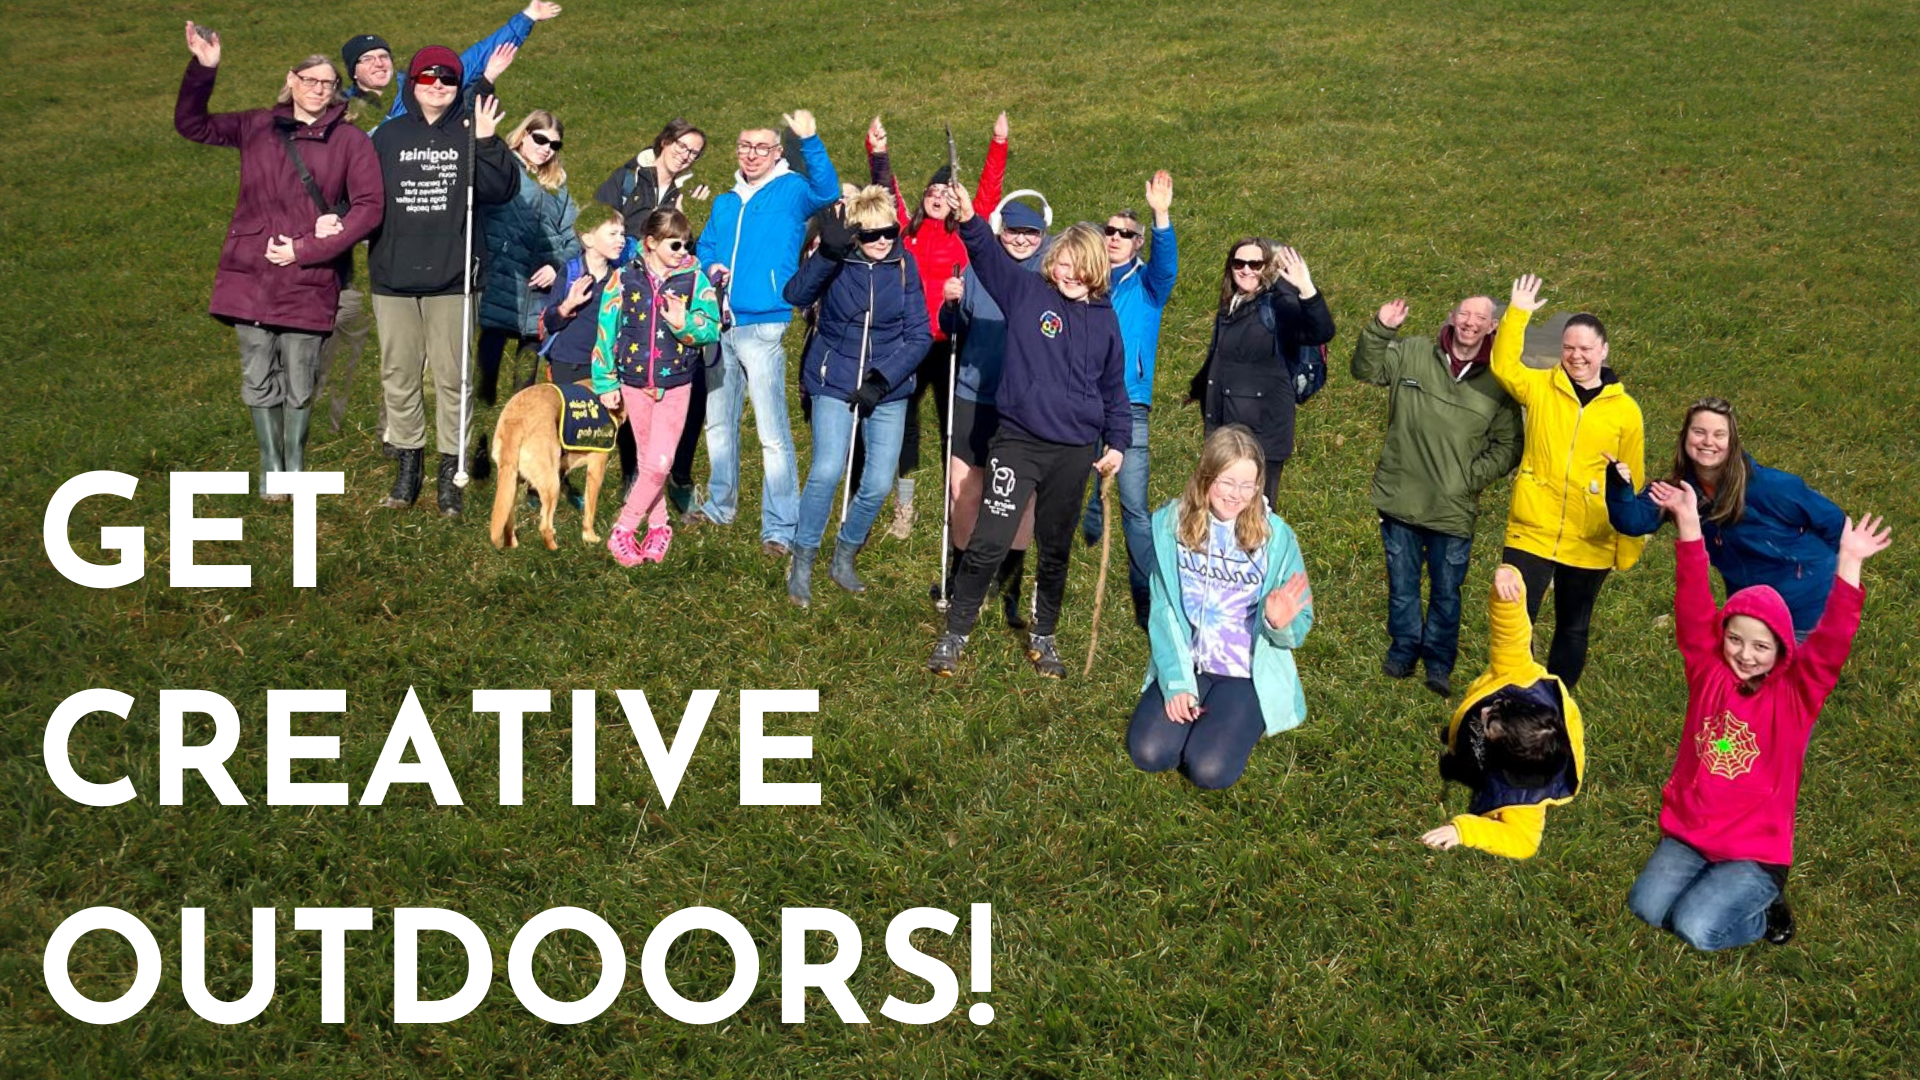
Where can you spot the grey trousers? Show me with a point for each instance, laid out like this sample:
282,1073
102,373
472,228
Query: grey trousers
277,367
420,335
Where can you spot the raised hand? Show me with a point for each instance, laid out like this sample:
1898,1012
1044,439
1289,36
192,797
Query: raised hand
1508,585
1445,838
877,136
800,122
1864,540
700,192
1393,313
542,278
541,10
1287,601
204,44
577,294
502,57
487,115
1160,196
1293,271
1000,128
960,200
1526,293
327,225
1682,504
1183,708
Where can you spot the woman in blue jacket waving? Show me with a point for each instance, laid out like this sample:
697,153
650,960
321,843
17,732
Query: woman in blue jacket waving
1230,603
1762,526
858,369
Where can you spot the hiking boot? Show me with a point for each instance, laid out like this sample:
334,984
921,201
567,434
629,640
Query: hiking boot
451,501
946,653
841,570
406,482
902,526
1046,659
1396,669
626,550
1007,580
800,575
1779,922
388,450
1440,682
655,548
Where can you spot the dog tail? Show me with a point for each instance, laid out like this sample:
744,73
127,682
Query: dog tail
506,479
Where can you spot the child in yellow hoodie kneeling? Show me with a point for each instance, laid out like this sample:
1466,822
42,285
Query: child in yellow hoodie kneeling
1516,741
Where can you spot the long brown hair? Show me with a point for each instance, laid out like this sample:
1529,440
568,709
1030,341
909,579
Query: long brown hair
1268,273
1225,448
1730,487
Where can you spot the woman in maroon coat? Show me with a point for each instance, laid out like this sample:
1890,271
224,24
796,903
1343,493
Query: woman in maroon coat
290,243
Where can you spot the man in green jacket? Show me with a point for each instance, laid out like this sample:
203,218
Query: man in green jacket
1451,431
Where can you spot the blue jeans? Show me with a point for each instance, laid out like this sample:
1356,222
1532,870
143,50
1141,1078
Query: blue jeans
753,367
1708,905
1434,638
832,431
1136,517
1213,750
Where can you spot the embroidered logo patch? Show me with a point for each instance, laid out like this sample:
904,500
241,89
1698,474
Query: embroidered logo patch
1051,324
1726,746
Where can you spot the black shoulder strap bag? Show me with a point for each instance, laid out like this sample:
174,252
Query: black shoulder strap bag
306,175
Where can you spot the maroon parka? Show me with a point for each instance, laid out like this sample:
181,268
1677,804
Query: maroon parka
273,202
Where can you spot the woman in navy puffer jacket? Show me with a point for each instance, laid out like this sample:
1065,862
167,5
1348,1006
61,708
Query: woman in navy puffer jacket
872,332
530,238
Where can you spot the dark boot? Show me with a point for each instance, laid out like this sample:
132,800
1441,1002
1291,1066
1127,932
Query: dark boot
1045,657
293,437
406,484
482,464
946,654
842,569
269,434
1007,580
451,502
800,575
1779,922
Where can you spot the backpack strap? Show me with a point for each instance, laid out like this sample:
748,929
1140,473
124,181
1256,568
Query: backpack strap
306,176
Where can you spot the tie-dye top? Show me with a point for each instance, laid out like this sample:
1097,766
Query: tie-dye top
1219,588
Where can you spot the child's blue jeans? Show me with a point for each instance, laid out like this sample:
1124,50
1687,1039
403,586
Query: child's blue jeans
1708,905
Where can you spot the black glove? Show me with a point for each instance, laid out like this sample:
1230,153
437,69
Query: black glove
867,398
836,239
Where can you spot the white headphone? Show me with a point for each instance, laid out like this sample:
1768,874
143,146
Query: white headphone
1046,208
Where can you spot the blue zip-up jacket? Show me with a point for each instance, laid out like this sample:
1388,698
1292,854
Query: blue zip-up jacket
1788,537
981,328
566,341
892,343
472,62
1064,377
1140,291
1276,682
758,238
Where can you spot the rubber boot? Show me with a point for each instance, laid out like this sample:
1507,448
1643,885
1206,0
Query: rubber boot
406,482
800,576
842,569
268,427
1007,580
451,502
293,437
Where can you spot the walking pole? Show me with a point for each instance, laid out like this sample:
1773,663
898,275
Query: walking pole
853,440
1106,554
466,301
946,463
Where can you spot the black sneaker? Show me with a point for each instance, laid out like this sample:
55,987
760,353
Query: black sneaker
1396,669
1779,922
946,654
1046,659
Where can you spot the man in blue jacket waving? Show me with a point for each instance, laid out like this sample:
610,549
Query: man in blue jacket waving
751,245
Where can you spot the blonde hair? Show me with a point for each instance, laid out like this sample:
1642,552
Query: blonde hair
871,207
1083,244
552,174
1225,448
316,60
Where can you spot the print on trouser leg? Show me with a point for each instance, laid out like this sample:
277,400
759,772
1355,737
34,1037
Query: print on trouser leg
1003,499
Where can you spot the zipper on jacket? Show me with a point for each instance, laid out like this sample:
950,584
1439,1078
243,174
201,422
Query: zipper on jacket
653,332
1566,475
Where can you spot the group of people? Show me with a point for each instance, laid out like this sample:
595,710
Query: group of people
1039,348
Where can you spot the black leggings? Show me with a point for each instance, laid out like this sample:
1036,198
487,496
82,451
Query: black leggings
1054,477
930,378
493,347
1575,589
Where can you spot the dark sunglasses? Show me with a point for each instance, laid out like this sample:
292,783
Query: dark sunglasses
437,76
1247,264
675,246
545,141
868,236
1130,234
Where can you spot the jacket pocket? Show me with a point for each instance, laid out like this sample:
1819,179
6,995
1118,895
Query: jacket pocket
245,249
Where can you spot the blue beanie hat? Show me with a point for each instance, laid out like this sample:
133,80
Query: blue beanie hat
1019,215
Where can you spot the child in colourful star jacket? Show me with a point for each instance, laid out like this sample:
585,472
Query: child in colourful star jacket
1726,814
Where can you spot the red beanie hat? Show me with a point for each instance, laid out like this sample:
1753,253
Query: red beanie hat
435,56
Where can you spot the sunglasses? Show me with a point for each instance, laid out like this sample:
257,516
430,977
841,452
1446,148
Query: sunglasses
675,246
437,76
1113,230
868,236
1247,264
544,140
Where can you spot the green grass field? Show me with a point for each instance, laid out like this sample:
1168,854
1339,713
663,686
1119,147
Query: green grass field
1732,189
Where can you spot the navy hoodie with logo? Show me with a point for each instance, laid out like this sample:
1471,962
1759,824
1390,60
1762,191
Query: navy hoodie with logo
418,248
1064,377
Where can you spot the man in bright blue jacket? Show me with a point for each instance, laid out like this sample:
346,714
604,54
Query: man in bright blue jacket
751,245
1140,292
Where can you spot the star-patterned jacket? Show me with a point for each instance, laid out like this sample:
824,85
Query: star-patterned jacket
635,346
1736,780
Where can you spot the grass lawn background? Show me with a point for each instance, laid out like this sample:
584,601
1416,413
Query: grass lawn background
1731,187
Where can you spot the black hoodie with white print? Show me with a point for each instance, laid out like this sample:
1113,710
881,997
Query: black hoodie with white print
418,247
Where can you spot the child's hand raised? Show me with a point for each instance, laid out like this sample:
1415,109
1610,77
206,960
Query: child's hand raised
1860,542
1287,601
1445,838
1508,585
1679,502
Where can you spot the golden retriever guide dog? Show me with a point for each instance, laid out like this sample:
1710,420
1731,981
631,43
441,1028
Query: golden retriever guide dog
527,445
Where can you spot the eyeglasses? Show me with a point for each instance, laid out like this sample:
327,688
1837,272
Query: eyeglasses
1245,489
1247,264
437,76
868,236
307,83
691,153
1114,230
543,139
1017,233
758,149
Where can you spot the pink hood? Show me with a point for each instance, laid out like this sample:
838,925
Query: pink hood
1761,602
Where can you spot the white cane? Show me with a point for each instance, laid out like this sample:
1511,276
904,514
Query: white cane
853,439
466,304
946,463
